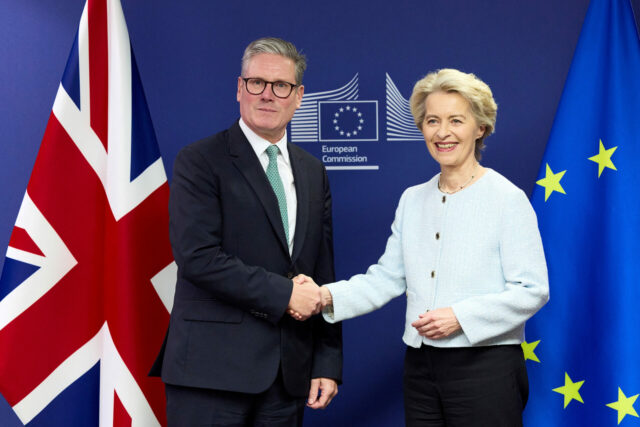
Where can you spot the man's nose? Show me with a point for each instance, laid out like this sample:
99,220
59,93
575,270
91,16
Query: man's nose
267,93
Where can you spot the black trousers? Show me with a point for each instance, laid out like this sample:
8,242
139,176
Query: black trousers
465,387
275,407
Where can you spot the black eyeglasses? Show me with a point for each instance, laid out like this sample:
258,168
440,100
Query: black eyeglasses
256,86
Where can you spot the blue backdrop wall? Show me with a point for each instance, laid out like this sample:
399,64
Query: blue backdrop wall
189,53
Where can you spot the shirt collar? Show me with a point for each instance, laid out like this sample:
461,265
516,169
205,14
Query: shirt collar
260,145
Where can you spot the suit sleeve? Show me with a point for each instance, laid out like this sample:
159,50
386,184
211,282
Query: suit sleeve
196,232
327,358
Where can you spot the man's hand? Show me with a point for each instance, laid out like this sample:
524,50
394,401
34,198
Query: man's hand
301,278
321,392
325,295
305,298
438,323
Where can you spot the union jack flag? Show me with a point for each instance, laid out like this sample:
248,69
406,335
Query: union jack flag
87,284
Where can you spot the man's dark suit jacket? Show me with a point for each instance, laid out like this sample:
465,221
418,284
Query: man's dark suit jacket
229,329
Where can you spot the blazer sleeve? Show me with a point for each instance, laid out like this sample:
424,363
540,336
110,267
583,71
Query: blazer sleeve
525,273
196,233
381,283
327,357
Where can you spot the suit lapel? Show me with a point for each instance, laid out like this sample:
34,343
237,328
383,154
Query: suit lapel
244,158
302,193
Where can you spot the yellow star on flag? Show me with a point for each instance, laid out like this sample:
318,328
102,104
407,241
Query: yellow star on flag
624,405
570,390
551,182
603,159
528,348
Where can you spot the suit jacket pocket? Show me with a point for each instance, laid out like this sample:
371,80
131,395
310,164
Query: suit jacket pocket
211,311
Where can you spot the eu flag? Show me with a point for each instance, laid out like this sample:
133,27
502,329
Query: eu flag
345,121
584,346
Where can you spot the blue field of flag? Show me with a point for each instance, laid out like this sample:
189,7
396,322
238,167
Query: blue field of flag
348,121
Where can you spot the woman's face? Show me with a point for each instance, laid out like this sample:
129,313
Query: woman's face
450,130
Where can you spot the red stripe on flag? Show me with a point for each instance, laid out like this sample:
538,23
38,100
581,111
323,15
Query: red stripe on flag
121,417
20,239
138,248
99,68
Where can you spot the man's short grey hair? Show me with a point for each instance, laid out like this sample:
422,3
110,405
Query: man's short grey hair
275,46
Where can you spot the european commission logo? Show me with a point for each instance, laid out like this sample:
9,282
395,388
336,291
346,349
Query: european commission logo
338,116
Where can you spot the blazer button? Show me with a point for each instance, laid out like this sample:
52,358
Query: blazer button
433,274
290,275
437,236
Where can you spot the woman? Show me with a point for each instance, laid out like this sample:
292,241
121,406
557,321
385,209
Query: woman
466,249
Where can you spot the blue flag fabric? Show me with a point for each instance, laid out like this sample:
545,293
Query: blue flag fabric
584,346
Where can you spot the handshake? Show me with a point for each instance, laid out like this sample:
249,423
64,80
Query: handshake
307,298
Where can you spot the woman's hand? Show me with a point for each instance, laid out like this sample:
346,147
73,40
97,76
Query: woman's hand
438,323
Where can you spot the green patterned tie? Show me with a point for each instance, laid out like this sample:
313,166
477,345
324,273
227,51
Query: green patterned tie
276,184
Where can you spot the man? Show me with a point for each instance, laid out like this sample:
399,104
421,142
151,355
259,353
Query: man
248,212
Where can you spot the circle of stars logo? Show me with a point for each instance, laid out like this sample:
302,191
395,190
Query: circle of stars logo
353,116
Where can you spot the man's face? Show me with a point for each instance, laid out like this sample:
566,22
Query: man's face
266,114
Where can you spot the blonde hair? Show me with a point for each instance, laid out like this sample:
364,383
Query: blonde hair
470,87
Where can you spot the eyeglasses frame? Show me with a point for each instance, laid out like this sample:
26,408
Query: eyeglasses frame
246,86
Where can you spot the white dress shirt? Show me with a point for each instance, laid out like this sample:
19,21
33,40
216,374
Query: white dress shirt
260,146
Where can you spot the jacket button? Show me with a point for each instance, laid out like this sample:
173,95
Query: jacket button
433,274
437,236
289,275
